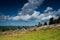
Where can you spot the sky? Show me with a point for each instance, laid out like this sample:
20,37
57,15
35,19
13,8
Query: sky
28,12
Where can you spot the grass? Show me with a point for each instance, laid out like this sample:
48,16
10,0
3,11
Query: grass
47,34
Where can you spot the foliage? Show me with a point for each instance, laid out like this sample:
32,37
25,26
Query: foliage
56,21
51,21
39,24
45,23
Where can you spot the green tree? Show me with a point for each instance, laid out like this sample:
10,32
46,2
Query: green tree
58,20
45,23
51,21
39,24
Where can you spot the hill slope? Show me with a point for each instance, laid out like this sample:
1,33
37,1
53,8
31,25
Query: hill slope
47,34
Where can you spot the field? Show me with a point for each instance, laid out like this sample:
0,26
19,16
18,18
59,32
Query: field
47,34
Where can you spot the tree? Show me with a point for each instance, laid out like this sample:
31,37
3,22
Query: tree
35,25
45,23
51,21
39,24
55,21
58,20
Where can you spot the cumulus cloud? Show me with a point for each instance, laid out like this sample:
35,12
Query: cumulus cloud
25,17
3,17
28,12
27,9
50,12
36,15
57,13
21,17
48,9
30,6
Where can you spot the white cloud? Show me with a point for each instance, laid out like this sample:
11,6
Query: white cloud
36,16
57,13
47,15
3,18
21,17
30,6
15,18
25,17
48,9
28,12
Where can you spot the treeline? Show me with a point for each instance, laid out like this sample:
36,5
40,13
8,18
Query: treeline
54,21
51,21
8,28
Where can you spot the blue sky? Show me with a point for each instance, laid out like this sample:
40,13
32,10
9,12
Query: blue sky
27,12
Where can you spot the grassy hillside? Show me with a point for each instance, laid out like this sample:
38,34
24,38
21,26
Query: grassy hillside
47,34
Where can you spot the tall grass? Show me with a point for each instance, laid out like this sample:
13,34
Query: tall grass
47,34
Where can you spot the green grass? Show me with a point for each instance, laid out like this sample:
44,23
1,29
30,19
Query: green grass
47,34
